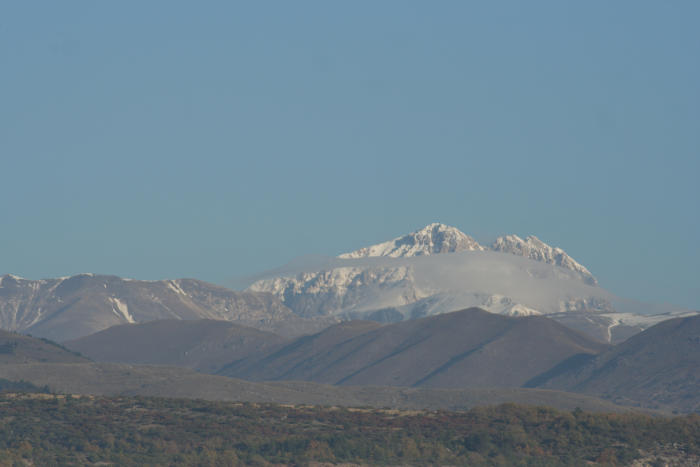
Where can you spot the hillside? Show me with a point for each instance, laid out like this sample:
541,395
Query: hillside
113,379
16,348
659,367
469,348
36,363
204,345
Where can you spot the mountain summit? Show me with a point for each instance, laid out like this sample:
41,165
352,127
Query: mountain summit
431,239
438,238
441,269
534,248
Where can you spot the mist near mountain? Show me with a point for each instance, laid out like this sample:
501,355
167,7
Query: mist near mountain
544,287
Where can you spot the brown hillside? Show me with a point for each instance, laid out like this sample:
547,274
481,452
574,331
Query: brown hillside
204,345
469,348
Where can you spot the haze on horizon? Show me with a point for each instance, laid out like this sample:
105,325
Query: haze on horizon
214,141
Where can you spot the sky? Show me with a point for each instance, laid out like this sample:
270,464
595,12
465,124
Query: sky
213,140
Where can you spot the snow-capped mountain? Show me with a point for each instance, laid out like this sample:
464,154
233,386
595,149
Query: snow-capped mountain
434,270
70,307
440,238
352,289
439,269
534,248
432,239
344,288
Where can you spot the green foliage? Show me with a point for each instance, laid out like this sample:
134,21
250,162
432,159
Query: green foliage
47,429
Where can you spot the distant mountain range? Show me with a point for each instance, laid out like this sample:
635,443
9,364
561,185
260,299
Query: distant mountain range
657,368
439,269
400,278
434,270
379,321
71,307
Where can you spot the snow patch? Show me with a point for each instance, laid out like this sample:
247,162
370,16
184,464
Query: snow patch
175,287
644,321
10,276
121,309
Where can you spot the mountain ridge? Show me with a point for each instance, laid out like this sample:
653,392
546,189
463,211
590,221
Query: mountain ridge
467,348
203,345
658,367
70,307
349,287
434,238
438,238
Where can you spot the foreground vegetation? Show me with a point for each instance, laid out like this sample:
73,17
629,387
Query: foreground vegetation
46,429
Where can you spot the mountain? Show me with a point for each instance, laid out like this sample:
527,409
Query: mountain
659,367
30,363
534,248
16,348
438,238
33,364
432,239
469,348
71,307
385,276
434,270
439,269
203,345
656,369
114,379
614,328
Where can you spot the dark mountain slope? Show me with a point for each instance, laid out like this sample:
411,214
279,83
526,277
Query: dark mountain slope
38,363
204,345
469,348
658,367
16,348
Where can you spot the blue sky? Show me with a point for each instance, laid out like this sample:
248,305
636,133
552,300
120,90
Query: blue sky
219,139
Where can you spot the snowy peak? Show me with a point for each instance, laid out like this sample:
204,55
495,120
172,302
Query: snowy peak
534,248
440,238
10,278
69,307
431,239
